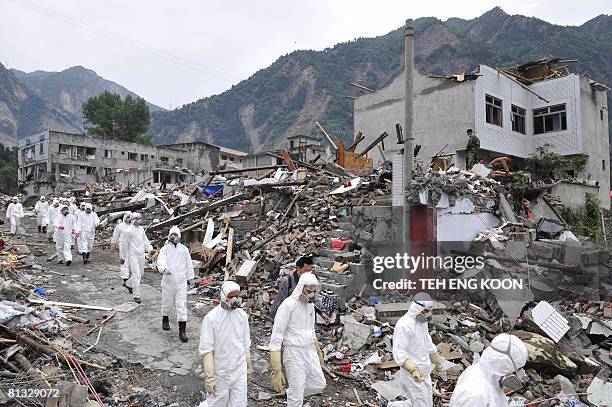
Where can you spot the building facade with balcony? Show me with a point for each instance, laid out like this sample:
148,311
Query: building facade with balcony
53,162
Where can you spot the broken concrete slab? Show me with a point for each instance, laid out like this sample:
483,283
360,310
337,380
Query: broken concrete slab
544,355
355,335
600,392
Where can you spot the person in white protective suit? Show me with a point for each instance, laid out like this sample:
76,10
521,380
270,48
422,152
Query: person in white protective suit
121,227
415,352
72,206
134,246
65,228
77,214
294,329
52,214
42,214
225,342
174,262
87,223
482,384
14,214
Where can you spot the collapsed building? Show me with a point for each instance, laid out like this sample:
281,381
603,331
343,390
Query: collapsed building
53,162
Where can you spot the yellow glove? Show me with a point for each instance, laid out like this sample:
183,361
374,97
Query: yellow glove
114,247
278,380
209,373
249,367
320,353
414,371
435,359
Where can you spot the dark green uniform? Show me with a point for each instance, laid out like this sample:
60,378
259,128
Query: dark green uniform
471,152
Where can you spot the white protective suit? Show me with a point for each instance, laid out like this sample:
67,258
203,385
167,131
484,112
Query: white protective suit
411,340
52,215
42,212
65,227
294,328
86,226
226,333
116,239
479,384
72,207
14,213
174,262
134,244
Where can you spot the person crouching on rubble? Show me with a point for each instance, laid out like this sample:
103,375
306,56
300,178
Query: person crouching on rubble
52,214
294,329
303,265
118,232
482,384
415,352
174,262
134,246
225,343
14,214
42,220
87,223
65,228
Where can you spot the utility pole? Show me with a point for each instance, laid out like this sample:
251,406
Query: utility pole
408,128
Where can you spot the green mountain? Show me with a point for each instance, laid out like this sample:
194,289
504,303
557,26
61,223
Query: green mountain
23,112
40,100
307,86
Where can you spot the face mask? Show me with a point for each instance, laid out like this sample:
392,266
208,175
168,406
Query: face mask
88,211
231,303
173,239
423,318
511,381
136,221
308,298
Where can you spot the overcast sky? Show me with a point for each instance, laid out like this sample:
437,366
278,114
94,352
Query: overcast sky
175,52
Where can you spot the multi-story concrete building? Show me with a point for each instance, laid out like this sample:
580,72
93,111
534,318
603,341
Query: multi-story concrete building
52,162
305,148
569,112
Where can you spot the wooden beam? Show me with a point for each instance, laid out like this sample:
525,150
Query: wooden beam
327,136
521,85
374,143
358,139
358,86
239,170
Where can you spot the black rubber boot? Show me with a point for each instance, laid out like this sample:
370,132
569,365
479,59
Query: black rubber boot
44,229
84,258
68,263
137,300
182,327
88,256
126,286
40,229
165,323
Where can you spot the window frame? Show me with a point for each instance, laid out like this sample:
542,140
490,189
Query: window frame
491,107
518,114
541,114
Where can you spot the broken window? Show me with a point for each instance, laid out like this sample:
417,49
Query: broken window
179,161
164,160
91,170
493,108
518,119
108,154
65,149
133,156
108,171
41,149
549,119
144,157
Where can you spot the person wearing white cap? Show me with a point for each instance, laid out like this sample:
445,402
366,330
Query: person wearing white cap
52,214
121,227
87,223
65,228
14,213
174,262
42,208
294,329
415,352
134,244
482,384
225,342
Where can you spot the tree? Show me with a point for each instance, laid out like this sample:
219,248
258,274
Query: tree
108,115
8,170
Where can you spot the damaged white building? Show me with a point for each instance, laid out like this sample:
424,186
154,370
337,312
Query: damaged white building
547,105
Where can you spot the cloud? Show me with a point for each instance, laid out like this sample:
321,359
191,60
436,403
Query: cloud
173,53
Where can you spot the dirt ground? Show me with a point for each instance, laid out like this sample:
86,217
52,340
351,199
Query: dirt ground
146,365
